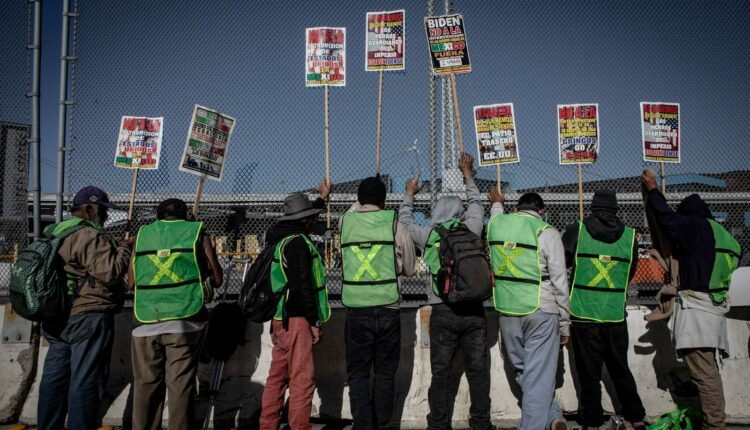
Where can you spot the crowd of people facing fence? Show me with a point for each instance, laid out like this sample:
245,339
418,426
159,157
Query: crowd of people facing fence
549,289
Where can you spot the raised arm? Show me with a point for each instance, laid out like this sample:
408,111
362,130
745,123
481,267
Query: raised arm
417,233
677,227
474,216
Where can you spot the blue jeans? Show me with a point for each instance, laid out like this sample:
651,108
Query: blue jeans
75,372
373,344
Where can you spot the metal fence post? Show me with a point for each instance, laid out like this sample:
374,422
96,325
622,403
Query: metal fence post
62,111
34,139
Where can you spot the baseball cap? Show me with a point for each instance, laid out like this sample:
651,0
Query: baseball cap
92,195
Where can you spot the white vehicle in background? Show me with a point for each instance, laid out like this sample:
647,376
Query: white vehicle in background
739,289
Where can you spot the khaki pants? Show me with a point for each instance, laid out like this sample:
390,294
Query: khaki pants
165,363
705,374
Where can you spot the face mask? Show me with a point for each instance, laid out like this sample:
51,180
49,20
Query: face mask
97,219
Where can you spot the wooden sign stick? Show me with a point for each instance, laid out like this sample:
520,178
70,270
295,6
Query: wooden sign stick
499,178
663,178
132,201
328,165
458,115
380,111
198,193
580,192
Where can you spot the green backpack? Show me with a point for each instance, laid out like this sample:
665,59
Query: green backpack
38,282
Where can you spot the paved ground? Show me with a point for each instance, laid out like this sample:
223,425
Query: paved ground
334,427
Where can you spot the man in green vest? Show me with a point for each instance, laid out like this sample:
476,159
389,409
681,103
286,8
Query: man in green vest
173,272
603,255
298,270
76,367
707,255
531,295
461,326
375,249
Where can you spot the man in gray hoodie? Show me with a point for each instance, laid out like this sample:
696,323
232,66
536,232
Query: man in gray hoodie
457,326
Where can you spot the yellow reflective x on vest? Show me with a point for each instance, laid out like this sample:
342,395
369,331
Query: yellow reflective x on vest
165,268
507,259
366,262
603,271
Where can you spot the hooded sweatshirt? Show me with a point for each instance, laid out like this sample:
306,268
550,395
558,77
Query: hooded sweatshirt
604,226
446,208
691,236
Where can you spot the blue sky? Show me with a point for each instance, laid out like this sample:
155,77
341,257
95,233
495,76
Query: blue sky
246,59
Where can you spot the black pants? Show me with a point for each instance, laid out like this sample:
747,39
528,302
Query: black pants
595,344
464,328
373,343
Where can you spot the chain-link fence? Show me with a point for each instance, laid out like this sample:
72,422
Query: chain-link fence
15,71
246,59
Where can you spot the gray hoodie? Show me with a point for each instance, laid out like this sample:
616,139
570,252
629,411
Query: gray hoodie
446,208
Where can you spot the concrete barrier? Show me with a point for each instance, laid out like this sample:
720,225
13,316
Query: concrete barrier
17,370
658,373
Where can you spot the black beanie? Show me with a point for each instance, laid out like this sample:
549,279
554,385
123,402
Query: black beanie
604,200
371,191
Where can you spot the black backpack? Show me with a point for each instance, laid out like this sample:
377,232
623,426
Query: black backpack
465,274
38,283
257,299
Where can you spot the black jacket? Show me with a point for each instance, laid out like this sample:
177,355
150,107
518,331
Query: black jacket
603,226
298,269
691,236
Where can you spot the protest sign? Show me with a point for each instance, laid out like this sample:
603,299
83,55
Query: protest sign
578,133
325,57
497,142
660,129
385,41
449,51
139,143
207,143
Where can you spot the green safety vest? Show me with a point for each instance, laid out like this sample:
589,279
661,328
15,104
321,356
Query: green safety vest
514,255
727,259
167,275
59,229
432,251
369,259
279,279
600,282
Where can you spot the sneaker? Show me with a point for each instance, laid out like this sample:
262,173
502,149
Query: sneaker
559,424
616,422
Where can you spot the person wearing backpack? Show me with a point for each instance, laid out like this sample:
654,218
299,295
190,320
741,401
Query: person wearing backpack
76,367
173,273
707,254
531,295
602,254
452,326
298,270
375,249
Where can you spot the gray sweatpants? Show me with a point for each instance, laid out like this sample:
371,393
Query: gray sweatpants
533,344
